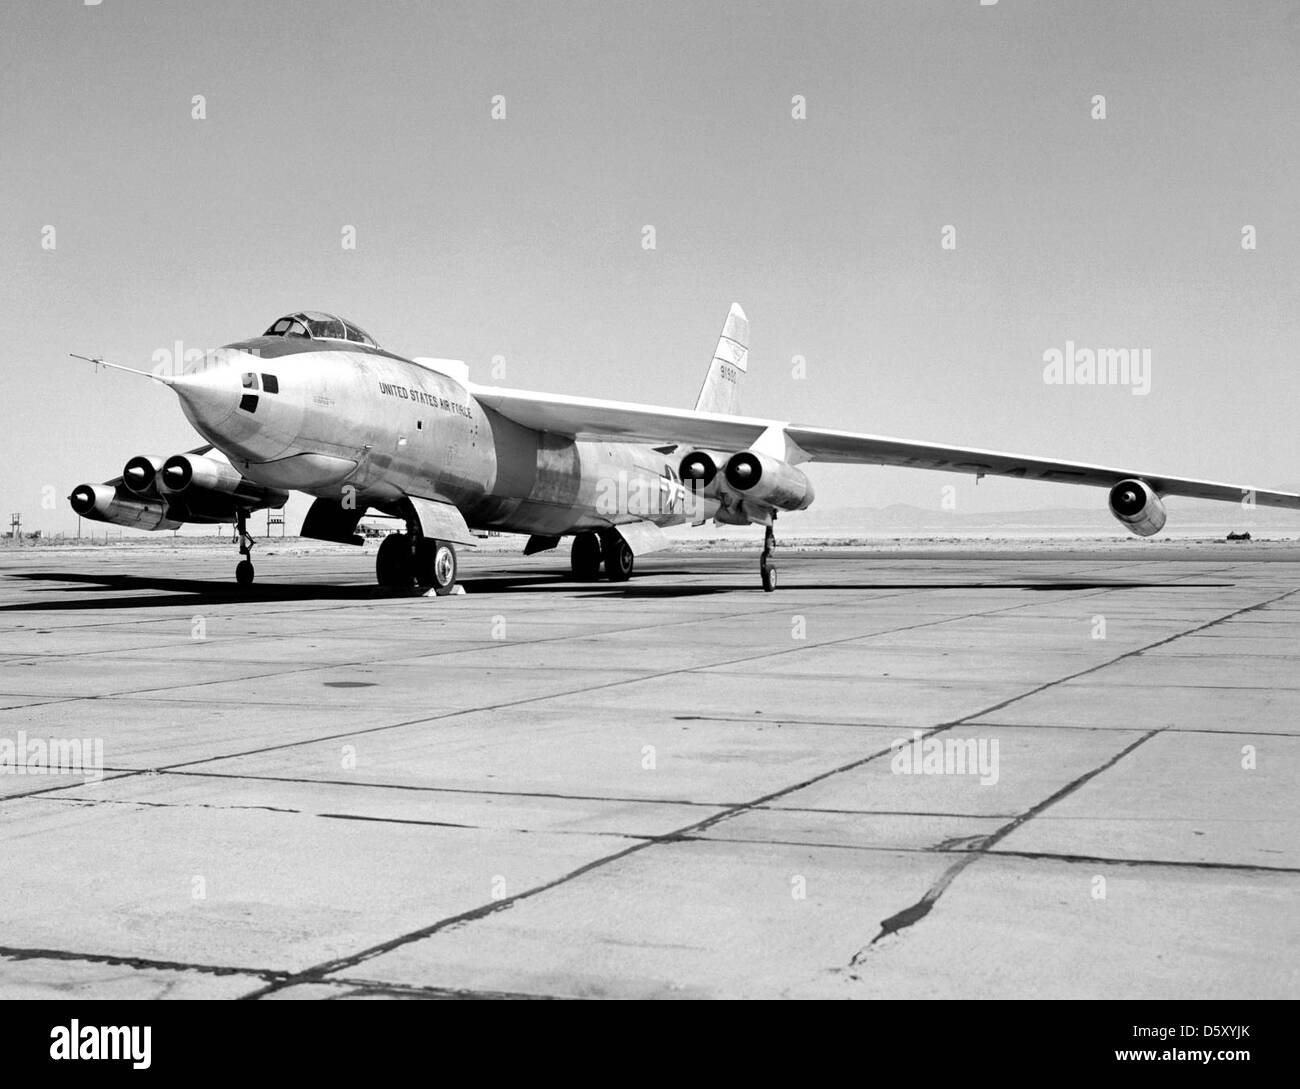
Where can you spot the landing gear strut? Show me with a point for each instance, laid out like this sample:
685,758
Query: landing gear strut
766,568
244,569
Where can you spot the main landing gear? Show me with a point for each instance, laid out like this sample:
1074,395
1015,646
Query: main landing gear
244,569
766,568
608,549
618,556
585,558
407,560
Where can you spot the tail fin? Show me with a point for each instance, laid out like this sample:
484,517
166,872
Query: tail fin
721,390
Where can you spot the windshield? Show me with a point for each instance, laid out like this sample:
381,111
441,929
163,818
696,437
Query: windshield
319,326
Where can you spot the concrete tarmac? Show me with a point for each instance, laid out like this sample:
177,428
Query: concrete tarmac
677,786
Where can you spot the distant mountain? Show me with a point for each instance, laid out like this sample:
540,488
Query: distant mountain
1185,515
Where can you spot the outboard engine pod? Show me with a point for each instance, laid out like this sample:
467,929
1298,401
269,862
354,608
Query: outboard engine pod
1137,507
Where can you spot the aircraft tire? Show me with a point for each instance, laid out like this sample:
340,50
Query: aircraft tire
436,566
393,562
244,573
619,558
585,557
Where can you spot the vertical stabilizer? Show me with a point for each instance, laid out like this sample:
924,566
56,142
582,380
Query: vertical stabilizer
721,390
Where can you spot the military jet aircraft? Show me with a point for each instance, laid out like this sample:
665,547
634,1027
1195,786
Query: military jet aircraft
314,404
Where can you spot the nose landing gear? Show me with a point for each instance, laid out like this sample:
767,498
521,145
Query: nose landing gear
766,568
244,569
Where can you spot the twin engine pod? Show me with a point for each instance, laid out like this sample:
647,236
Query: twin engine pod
1137,507
203,489
756,478
161,493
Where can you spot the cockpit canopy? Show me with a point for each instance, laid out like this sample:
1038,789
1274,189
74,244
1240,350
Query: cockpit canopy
315,325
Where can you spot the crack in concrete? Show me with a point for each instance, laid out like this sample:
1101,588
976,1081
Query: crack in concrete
14,953
914,913
137,803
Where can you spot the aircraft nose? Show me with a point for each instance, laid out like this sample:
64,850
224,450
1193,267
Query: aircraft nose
209,396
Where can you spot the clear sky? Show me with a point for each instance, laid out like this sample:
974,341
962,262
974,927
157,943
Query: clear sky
522,237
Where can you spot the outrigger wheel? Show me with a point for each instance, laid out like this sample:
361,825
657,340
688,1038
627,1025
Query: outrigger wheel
244,569
766,568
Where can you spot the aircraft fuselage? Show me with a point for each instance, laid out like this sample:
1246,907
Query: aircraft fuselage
333,418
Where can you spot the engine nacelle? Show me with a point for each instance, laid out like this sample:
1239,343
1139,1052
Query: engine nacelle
1137,507
117,505
206,482
768,480
141,475
699,471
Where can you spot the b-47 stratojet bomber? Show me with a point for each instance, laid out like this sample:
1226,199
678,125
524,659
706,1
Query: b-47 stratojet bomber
316,405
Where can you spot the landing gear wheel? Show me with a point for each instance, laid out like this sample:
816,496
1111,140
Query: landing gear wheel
435,566
584,559
393,567
618,557
244,573
769,577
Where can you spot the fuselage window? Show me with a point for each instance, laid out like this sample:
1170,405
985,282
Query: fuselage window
248,402
250,380
270,384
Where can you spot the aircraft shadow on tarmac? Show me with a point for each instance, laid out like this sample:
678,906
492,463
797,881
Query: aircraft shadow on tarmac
170,589
788,584
205,591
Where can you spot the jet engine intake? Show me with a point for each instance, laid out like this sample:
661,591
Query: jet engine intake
699,469
1137,507
141,475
